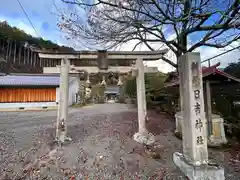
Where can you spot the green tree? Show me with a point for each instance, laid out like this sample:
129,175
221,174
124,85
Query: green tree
233,69
154,84
130,87
14,34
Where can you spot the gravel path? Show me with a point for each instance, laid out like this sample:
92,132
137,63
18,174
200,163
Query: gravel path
102,146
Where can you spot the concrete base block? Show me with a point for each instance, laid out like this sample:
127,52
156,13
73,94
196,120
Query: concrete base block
218,137
147,138
203,172
216,141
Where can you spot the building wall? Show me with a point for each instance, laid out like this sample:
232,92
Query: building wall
73,90
23,95
15,98
27,98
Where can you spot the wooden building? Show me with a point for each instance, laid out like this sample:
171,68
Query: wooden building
212,78
33,91
112,93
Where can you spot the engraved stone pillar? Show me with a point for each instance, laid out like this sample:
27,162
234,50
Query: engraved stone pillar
142,136
194,124
194,130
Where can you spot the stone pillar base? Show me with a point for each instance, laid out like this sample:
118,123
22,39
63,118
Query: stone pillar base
218,137
62,139
214,141
203,172
147,138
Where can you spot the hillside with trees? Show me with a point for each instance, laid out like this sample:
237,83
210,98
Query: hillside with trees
8,33
18,50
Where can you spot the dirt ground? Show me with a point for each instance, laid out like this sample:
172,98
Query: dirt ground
102,146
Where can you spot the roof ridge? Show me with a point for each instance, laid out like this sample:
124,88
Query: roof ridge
10,80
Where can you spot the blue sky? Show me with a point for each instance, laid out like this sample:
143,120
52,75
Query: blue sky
41,13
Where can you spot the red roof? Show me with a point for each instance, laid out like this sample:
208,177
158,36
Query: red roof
206,71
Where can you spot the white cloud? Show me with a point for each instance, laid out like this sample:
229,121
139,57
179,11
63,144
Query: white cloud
172,36
162,66
19,23
28,29
206,52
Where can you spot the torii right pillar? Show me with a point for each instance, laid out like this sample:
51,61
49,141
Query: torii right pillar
142,136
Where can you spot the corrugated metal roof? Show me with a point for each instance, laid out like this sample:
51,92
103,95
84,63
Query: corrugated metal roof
31,80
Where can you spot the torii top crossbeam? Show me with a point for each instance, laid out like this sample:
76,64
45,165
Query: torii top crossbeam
121,55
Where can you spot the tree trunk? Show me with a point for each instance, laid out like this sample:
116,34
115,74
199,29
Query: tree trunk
2,46
31,59
9,62
19,54
7,51
183,50
24,55
10,50
15,50
28,57
178,65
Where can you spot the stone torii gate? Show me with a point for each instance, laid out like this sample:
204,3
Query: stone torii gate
103,58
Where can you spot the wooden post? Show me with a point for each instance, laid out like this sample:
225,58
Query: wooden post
209,108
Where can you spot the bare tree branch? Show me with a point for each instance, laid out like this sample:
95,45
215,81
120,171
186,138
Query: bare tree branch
111,23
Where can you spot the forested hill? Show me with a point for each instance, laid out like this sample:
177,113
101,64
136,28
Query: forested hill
19,50
8,33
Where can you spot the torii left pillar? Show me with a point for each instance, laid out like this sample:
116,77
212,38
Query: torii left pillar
61,129
142,136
